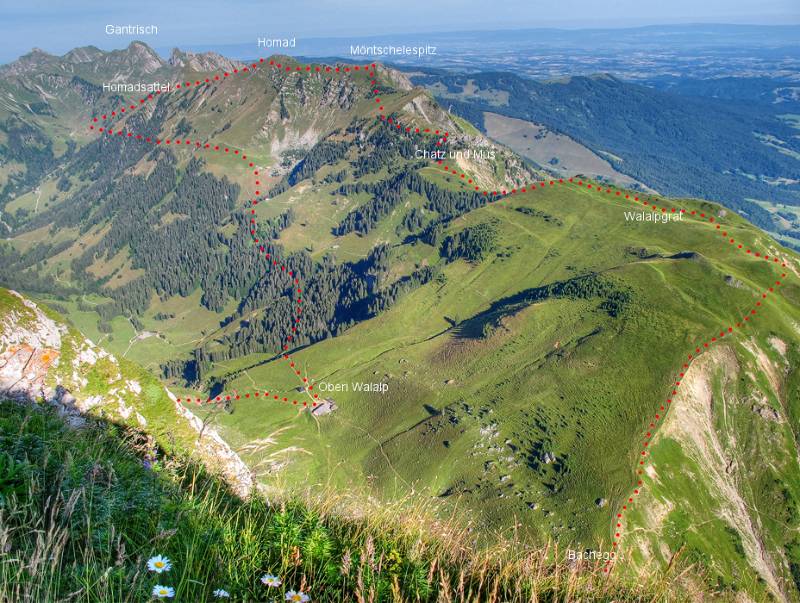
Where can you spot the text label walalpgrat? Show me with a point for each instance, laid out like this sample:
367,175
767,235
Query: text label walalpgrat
652,216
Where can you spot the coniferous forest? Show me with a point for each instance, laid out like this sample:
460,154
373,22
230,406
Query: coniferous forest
180,228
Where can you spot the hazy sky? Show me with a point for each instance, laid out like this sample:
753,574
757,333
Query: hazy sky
58,25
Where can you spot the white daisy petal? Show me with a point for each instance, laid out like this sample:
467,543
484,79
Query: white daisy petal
163,592
270,580
158,564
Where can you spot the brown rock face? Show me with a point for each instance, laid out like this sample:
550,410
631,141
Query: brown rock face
23,370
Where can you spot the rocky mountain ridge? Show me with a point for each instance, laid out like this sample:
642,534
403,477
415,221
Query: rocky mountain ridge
45,361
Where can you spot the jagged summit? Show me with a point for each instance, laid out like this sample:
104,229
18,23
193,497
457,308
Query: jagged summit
89,61
83,54
34,60
202,61
138,57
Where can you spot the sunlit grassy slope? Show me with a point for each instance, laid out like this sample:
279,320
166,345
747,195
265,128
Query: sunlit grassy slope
85,513
516,408
471,419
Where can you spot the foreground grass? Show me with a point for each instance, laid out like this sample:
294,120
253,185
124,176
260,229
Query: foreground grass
82,510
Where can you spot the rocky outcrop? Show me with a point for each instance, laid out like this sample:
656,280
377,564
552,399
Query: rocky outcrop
702,420
30,344
217,454
205,61
44,361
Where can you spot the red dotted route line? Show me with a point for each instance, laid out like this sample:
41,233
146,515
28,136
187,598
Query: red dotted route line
660,415
219,77
491,196
221,399
650,203
107,118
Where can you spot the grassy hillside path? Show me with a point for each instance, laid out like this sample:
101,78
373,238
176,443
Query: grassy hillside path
620,197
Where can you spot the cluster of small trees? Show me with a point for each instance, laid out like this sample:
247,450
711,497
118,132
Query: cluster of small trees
390,192
387,194
472,244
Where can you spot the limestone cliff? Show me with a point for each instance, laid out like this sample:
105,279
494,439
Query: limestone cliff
43,360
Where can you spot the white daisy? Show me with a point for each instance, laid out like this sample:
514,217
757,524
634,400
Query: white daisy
158,564
222,594
270,580
163,592
299,596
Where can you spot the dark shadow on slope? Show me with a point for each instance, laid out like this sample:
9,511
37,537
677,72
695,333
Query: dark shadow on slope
614,299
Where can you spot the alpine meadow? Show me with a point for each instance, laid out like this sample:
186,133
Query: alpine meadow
392,328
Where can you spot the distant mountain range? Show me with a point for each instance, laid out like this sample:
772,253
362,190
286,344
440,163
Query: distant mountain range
689,50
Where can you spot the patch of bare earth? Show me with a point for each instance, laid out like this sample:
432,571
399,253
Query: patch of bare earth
691,422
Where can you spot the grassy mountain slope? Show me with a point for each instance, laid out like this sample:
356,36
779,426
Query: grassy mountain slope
101,514
672,143
88,494
187,199
487,377
521,345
